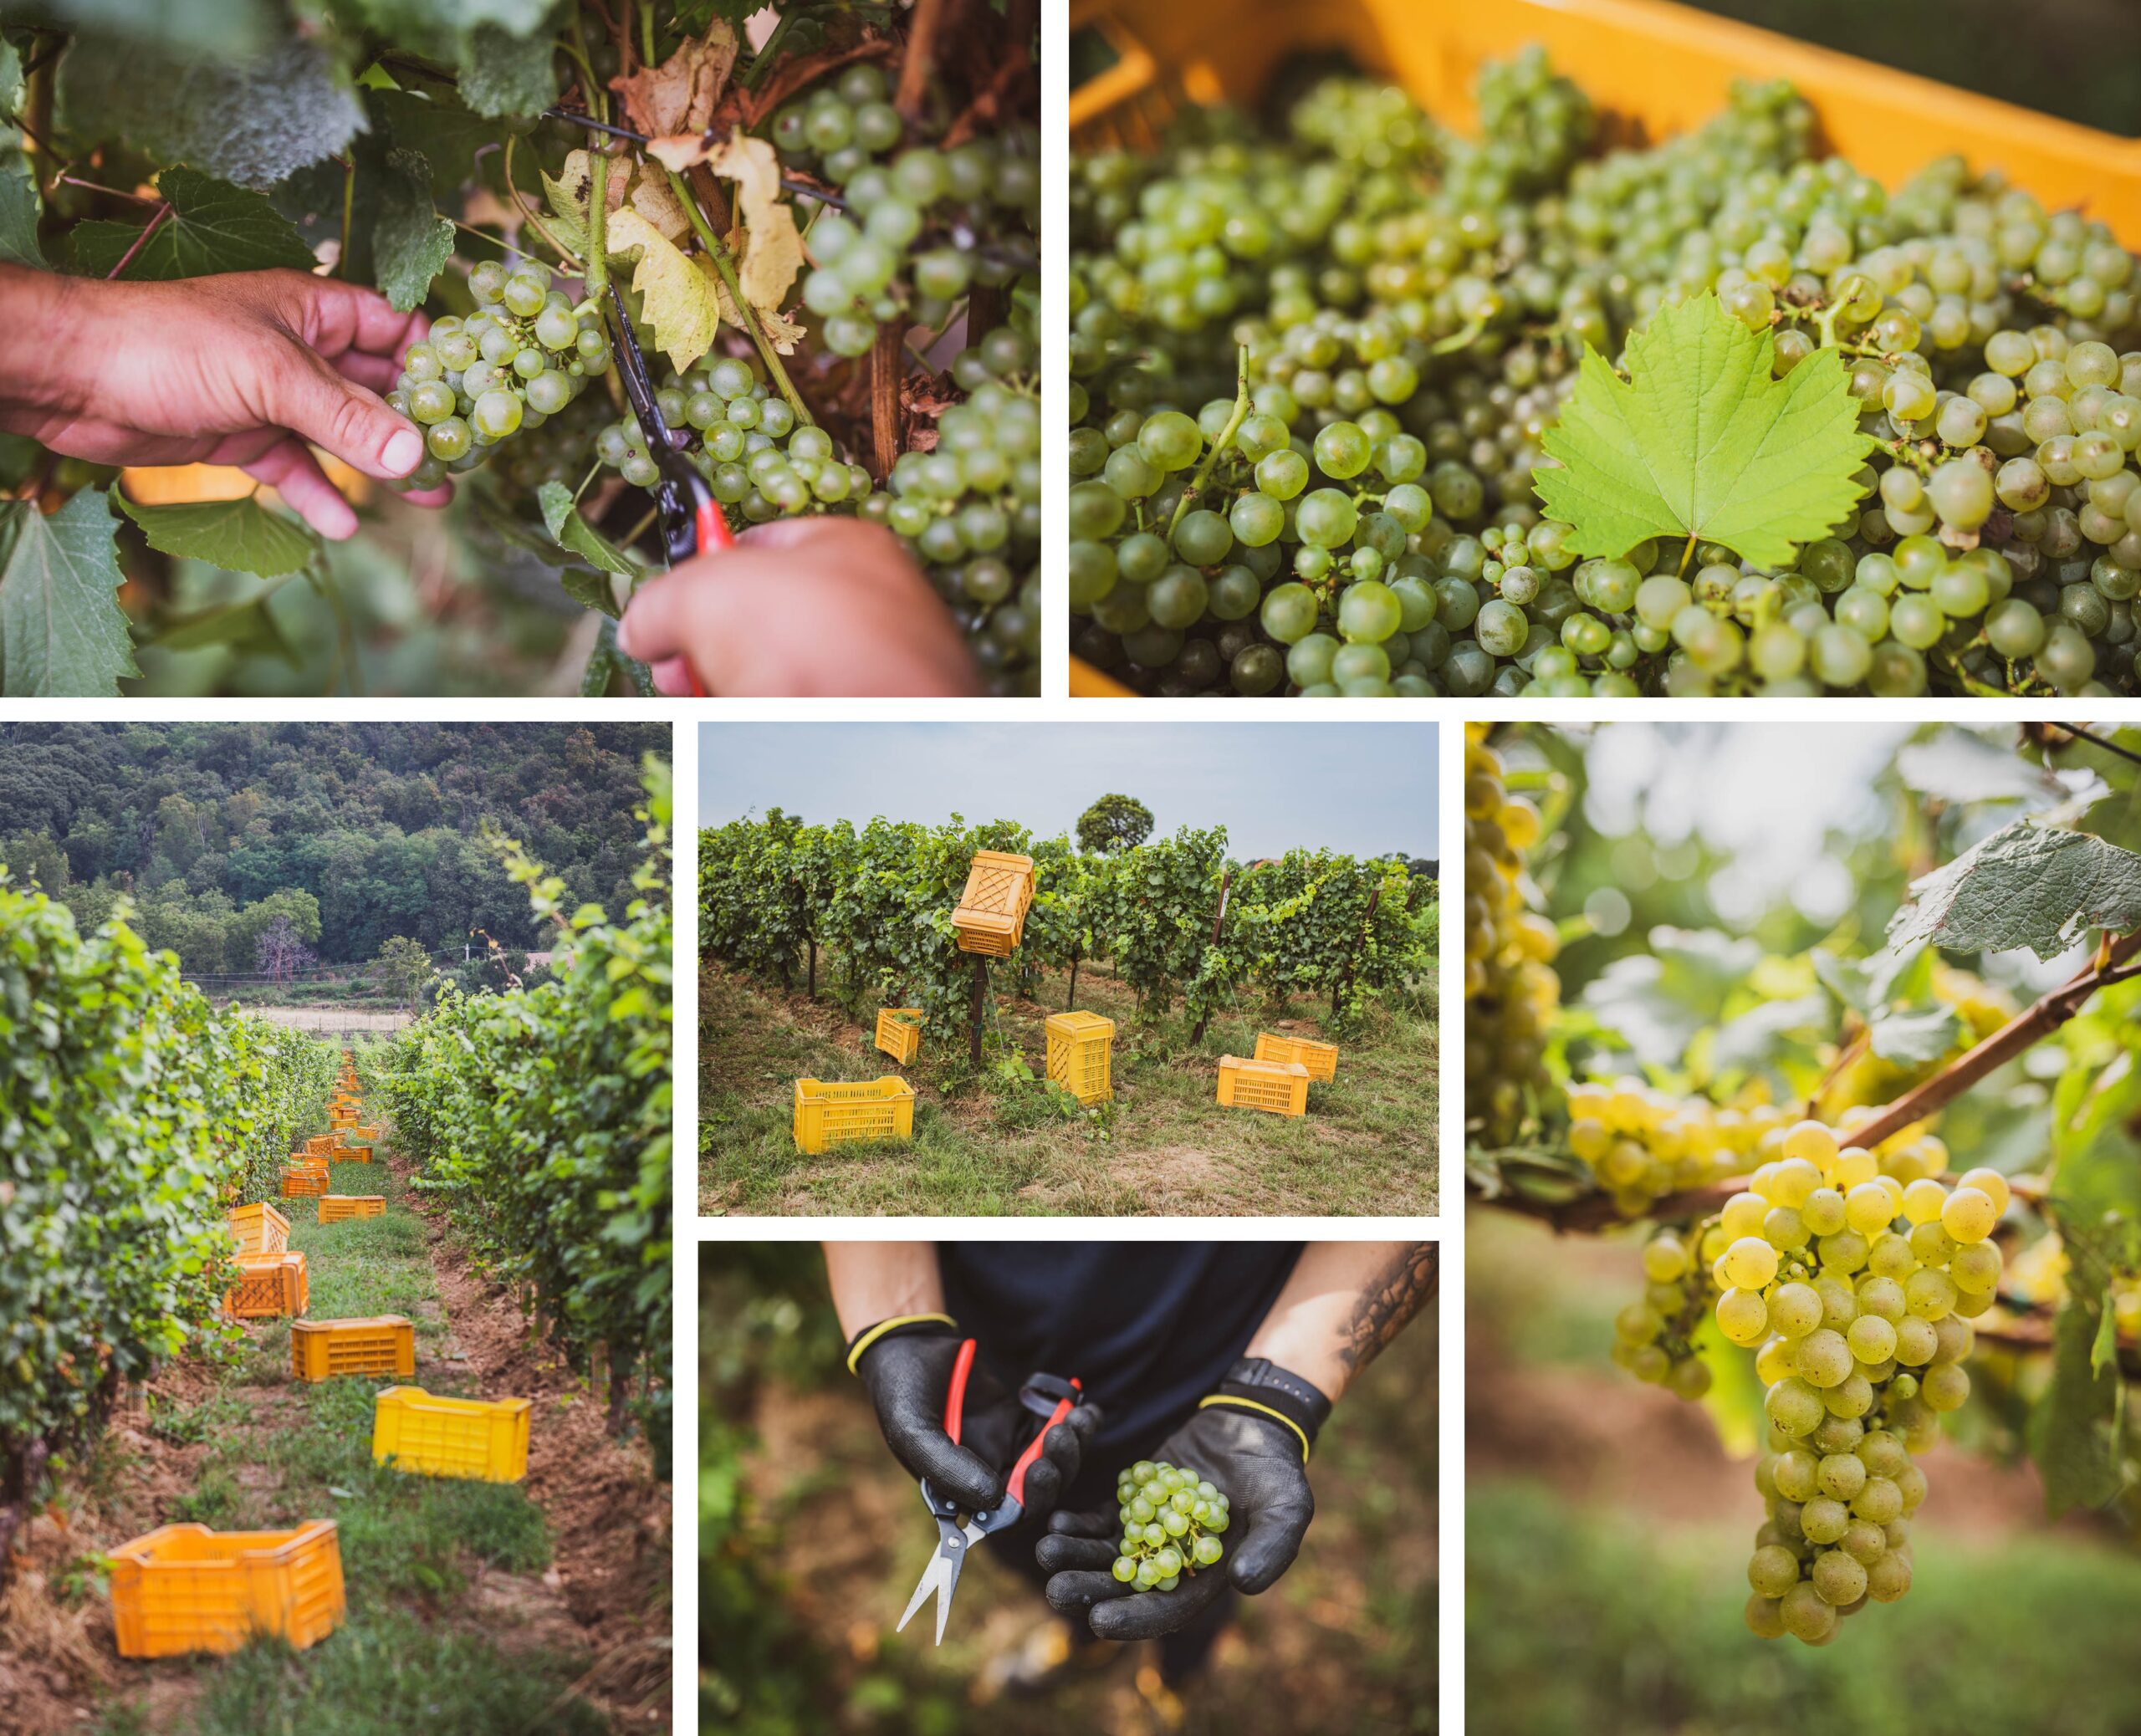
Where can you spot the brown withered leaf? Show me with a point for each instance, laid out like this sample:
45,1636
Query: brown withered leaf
792,76
680,96
680,150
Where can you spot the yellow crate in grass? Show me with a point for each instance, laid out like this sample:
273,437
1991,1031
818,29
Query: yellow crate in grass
304,1183
899,1032
991,917
329,1350
259,1229
1320,1059
1281,1088
268,1285
354,1154
482,1440
321,1145
1079,1048
185,1588
339,1207
831,1114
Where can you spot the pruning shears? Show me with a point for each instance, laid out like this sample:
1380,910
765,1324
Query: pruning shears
691,519
1047,1397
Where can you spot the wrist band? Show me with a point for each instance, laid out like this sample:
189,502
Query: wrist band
899,1325
1257,1384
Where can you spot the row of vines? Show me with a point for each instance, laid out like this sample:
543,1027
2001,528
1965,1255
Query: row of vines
542,1117
1175,918
132,1114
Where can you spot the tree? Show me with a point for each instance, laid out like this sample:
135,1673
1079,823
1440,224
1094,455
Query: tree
404,967
1114,822
278,954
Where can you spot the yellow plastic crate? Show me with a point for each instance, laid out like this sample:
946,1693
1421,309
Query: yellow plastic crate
339,1207
304,1183
1079,1046
268,1285
481,1440
329,1349
354,1154
1320,1059
259,1229
828,1114
899,1032
1280,1088
185,1588
322,1145
1656,68
991,917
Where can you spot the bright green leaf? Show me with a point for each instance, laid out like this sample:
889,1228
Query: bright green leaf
575,534
240,536
213,227
1702,440
62,632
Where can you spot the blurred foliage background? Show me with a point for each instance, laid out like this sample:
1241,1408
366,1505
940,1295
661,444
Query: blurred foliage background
811,1537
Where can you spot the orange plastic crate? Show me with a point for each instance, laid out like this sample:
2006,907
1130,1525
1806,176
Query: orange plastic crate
340,1208
259,1229
304,1183
329,1349
321,1145
185,1588
1320,1059
828,1114
1280,1088
1080,1048
899,1032
268,1285
485,1440
991,917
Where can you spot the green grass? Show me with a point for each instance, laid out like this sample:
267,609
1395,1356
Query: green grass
1578,1622
1164,1145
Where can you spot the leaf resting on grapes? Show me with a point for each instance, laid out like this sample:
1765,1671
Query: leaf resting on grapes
1702,440
239,536
2026,886
677,296
62,632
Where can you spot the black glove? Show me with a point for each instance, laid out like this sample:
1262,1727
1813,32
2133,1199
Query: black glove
1252,1438
906,1368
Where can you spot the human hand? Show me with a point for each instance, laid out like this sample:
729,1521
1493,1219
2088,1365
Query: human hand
241,369
1256,1463
817,606
909,1378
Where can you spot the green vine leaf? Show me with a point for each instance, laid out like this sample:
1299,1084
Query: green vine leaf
2026,886
213,226
574,533
505,73
62,632
20,204
411,242
240,536
1703,441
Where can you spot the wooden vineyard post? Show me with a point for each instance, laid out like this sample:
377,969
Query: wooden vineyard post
1219,918
813,983
1071,1004
975,1001
1353,958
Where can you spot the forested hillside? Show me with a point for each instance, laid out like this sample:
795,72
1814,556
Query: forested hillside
240,842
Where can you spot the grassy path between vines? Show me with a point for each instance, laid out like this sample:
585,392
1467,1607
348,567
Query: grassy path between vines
1366,1146
477,1608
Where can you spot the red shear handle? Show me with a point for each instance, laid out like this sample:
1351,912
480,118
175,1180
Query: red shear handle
711,525
955,1401
1018,1485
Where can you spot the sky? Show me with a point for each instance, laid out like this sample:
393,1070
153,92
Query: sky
1362,789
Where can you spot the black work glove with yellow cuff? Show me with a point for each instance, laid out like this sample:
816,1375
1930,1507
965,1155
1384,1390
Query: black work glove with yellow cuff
905,1364
1252,1438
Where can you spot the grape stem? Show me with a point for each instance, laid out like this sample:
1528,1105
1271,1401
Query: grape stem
1196,483
2097,741
140,241
722,263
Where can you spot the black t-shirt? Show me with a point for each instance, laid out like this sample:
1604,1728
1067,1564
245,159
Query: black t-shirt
1147,1327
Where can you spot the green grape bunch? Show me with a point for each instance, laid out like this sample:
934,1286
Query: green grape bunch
1511,988
1171,1520
521,358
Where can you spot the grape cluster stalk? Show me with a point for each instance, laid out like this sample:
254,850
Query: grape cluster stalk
1313,375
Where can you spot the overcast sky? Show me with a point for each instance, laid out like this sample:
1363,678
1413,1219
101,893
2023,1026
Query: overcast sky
1365,789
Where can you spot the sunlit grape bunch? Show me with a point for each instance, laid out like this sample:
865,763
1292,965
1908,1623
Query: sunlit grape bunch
522,357
1170,1520
1642,1143
1511,989
1855,1290
1653,1339
908,244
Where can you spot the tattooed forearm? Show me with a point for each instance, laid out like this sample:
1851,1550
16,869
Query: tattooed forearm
1396,1293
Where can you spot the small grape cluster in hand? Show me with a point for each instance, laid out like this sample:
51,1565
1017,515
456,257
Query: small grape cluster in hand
523,356
1171,1522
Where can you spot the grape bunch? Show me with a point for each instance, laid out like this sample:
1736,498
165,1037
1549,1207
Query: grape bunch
1171,1520
1511,987
905,240
1654,1339
1642,1143
1855,1288
521,358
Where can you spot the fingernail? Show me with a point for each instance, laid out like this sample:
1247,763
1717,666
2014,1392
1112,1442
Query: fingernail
403,451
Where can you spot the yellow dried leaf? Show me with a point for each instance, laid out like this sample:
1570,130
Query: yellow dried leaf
673,291
772,251
680,150
653,199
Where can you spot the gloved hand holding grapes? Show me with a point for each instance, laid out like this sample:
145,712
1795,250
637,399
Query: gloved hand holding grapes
1258,1462
252,369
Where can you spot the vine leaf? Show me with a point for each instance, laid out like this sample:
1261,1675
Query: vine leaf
1703,441
213,226
20,205
62,632
677,296
411,242
574,533
1914,1039
503,72
2027,885
437,124
678,96
239,536
2074,1432
772,251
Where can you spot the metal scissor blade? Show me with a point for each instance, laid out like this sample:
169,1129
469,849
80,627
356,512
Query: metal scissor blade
941,1575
